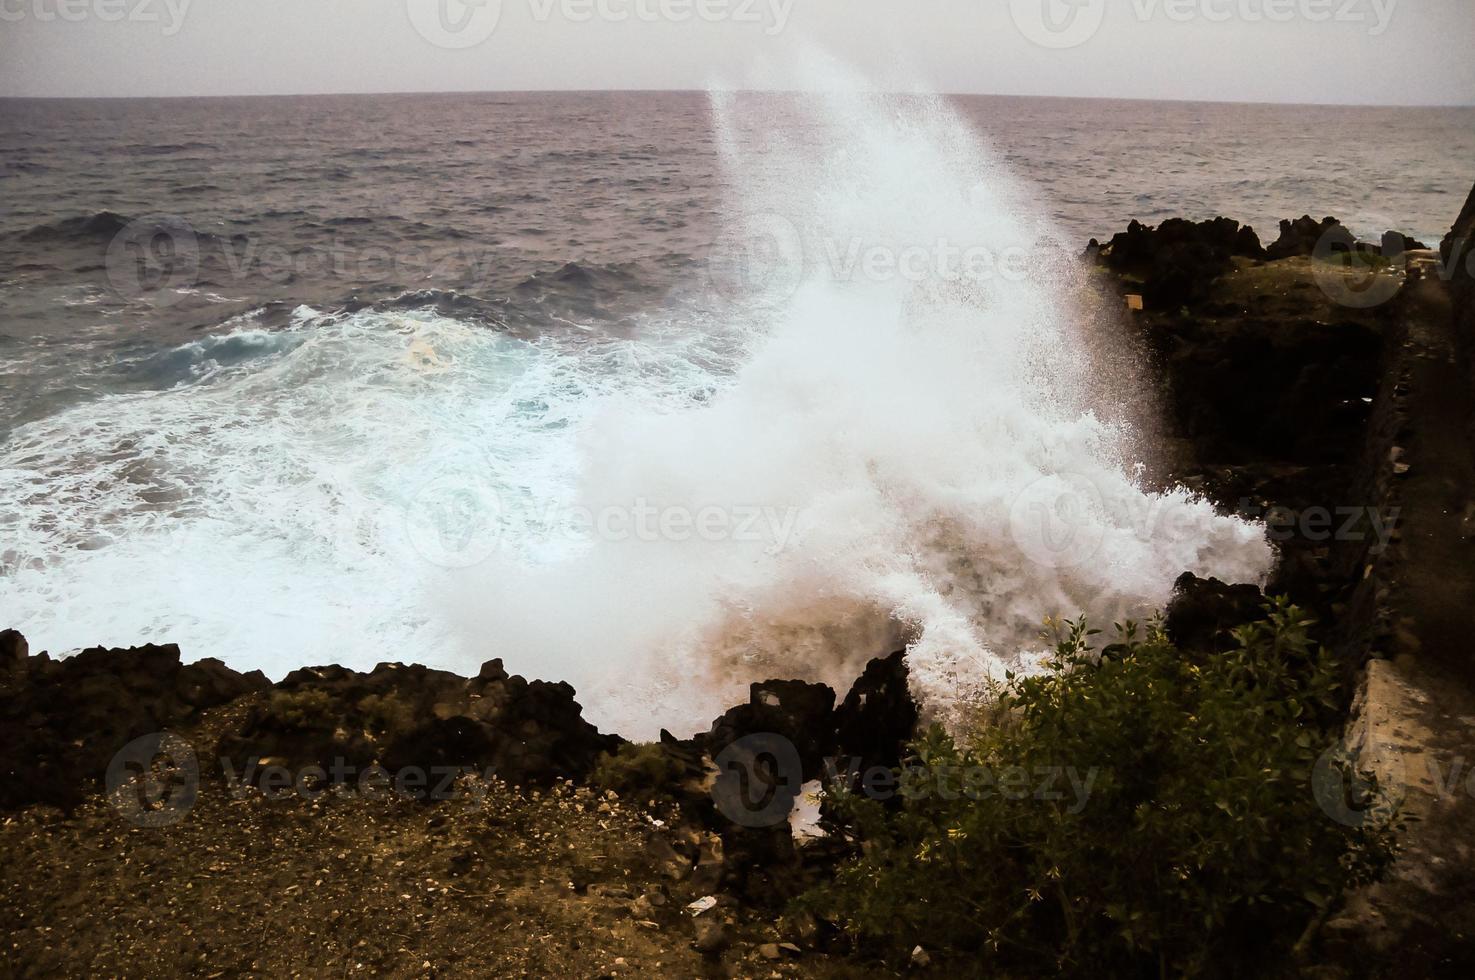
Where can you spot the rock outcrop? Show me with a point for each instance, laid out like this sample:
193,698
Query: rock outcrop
1178,261
1202,610
62,721
1457,255
399,716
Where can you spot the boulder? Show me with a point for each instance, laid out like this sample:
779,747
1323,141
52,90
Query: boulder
1202,610
801,713
1396,243
879,716
13,650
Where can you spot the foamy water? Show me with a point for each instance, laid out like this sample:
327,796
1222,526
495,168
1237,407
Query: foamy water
809,464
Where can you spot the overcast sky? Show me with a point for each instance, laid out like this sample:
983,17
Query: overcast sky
1340,51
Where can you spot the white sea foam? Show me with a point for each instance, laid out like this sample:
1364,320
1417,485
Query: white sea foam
931,460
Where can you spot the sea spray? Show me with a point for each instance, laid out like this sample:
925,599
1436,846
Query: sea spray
879,414
944,437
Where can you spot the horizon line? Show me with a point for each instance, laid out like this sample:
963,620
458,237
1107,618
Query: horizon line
708,91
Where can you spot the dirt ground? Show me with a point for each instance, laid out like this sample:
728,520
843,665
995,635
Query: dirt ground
536,884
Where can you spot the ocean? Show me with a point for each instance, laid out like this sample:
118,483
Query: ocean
654,392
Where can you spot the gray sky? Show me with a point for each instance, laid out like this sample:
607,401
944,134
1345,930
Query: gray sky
1343,51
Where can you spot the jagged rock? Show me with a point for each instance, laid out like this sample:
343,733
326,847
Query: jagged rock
1178,261
1397,243
62,721
879,716
1202,609
799,712
1300,237
412,716
13,649
1457,253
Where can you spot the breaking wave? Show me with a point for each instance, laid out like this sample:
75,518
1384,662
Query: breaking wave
893,418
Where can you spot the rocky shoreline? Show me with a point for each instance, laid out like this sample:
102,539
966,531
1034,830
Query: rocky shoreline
1305,383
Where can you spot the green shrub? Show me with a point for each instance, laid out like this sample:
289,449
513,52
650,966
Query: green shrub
1199,848
303,710
386,713
637,771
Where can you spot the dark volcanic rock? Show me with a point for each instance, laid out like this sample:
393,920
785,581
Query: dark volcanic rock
1202,609
799,712
401,717
879,715
1178,261
1458,255
13,649
1300,237
1396,243
62,721
1261,388
1307,236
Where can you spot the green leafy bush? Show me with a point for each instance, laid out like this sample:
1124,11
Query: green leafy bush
303,710
1199,847
637,770
386,713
